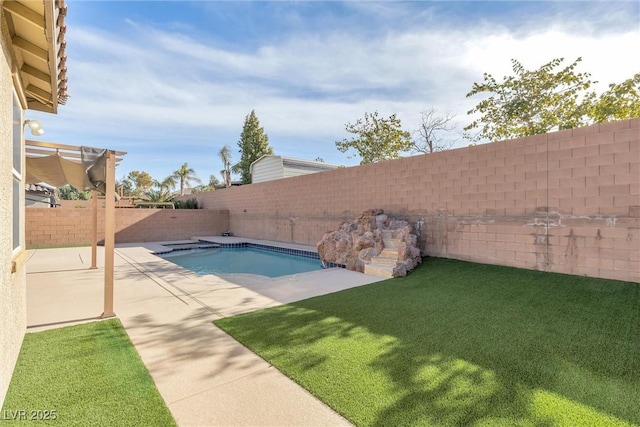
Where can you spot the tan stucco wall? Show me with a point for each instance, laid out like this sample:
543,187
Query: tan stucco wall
13,313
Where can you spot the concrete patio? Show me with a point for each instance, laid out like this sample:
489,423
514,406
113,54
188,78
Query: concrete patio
205,376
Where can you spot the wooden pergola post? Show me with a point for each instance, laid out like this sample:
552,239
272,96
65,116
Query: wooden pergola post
109,233
94,230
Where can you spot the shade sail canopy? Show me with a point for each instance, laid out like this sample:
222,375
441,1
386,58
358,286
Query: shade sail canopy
83,167
57,171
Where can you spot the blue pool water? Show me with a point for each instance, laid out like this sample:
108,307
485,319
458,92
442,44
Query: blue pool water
242,260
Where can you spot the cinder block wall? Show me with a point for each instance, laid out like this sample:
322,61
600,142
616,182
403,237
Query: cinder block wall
566,201
68,226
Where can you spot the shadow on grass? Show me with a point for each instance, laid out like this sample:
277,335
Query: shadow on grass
459,343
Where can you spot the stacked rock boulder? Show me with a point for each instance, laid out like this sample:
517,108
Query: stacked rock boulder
356,243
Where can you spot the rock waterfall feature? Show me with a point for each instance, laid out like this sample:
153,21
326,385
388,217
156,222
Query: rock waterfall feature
373,244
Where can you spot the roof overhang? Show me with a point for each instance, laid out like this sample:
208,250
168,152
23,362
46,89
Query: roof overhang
37,32
308,164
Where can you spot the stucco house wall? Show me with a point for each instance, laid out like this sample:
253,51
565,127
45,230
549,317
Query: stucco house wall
13,307
32,76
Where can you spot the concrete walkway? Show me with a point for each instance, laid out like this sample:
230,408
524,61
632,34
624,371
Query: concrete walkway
205,376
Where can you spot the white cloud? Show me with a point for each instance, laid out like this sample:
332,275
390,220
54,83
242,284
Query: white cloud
149,84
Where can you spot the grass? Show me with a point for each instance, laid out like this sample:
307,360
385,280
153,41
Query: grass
84,375
458,343
82,245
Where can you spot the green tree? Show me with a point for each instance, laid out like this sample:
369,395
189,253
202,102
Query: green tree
376,138
253,143
136,183
70,193
185,175
621,101
530,102
213,184
225,156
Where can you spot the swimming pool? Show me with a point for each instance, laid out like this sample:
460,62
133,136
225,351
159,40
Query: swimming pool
242,260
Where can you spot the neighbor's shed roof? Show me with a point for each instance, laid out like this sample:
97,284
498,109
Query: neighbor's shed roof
297,163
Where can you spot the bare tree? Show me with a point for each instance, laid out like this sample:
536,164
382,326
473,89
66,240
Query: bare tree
430,134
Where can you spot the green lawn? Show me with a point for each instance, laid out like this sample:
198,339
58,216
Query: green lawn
85,375
458,343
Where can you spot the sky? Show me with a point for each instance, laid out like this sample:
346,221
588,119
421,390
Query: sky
172,82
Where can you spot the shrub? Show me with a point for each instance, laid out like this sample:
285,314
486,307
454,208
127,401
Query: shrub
186,204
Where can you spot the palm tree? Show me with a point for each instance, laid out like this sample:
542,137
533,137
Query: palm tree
159,193
225,156
168,183
185,174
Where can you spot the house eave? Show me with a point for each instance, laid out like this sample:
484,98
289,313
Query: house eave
37,32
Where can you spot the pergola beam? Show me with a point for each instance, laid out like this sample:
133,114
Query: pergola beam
57,147
34,152
37,151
